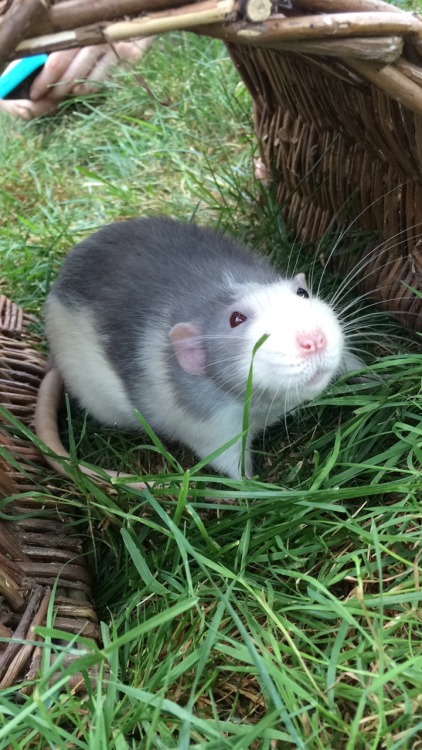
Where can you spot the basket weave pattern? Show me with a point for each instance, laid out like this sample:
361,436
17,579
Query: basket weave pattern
340,150
38,547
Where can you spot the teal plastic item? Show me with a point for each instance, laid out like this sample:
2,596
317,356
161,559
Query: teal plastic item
15,74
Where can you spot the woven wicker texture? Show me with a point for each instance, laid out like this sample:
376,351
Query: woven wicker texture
339,148
35,551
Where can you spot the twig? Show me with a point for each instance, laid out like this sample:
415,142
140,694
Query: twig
336,25
10,583
258,10
389,79
410,71
17,22
34,616
383,49
70,14
342,6
5,5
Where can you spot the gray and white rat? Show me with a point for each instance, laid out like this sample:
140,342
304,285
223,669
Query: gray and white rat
162,317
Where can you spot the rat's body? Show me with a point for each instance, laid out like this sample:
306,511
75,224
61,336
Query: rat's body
161,317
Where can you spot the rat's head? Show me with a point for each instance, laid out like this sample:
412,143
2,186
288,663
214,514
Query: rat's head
302,354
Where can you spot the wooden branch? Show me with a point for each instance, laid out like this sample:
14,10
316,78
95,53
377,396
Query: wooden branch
389,79
17,21
384,49
258,10
7,487
319,28
207,12
343,6
410,71
4,6
344,25
10,586
36,612
70,14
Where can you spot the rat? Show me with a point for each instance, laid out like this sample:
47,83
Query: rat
159,316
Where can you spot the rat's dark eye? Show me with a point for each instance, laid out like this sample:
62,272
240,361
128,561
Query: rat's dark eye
236,318
302,293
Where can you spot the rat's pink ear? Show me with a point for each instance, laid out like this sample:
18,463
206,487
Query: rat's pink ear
188,349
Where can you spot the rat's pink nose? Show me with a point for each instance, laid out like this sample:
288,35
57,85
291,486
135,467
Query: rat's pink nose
309,342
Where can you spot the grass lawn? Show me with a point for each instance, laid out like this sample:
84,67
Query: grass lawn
290,618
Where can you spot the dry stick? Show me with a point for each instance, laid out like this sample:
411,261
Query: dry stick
72,13
16,22
8,546
5,5
21,630
342,6
410,71
207,11
383,49
10,588
5,632
7,485
258,10
25,652
390,80
340,25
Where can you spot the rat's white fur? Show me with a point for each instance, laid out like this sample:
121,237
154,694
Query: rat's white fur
83,363
280,365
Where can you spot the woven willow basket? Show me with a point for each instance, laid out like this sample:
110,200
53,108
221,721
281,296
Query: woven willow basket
37,547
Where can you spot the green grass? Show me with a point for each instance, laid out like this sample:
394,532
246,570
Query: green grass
290,618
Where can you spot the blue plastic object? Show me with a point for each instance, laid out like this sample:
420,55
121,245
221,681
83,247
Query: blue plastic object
16,73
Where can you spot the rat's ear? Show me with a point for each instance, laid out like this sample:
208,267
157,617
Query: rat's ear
186,340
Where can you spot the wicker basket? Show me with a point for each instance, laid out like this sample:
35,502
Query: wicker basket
37,548
337,87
